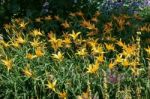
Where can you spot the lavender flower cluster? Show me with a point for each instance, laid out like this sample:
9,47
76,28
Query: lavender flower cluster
130,6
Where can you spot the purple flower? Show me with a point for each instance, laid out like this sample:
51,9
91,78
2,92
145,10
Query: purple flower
135,4
118,4
113,78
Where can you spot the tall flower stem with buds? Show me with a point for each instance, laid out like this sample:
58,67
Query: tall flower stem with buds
138,46
105,86
138,92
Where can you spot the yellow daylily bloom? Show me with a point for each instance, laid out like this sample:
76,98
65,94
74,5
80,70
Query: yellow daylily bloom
97,50
119,58
59,56
52,85
15,44
4,43
65,24
39,52
85,23
74,35
125,63
57,18
121,44
38,19
129,50
62,95
55,43
23,24
30,56
148,50
36,32
85,95
94,19
8,63
92,42
79,13
93,68
82,52
100,58
108,27
27,71
52,36
92,27
20,40
48,18
110,47
111,65
67,42
72,14
97,13
35,43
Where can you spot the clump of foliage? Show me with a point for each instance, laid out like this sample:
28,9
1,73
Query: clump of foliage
79,56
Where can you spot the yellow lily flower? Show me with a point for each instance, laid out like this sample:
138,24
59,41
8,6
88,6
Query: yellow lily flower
62,95
111,65
20,40
36,32
65,24
30,56
110,47
15,44
57,18
27,71
79,13
23,24
4,43
119,58
48,18
125,63
100,58
35,43
52,85
59,56
67,42
108,27
82,52
8,63
74,35
97,50
93,68
39,52
147,50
